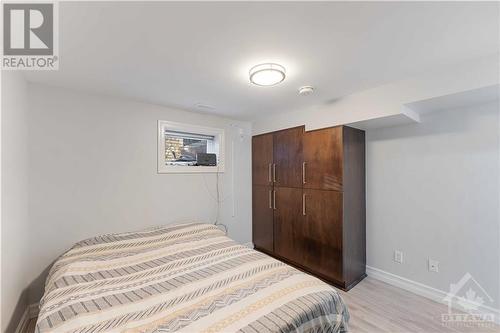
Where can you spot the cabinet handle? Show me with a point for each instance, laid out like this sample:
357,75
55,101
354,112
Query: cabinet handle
269,174
304,204
303,172
274,172
274,199
270,200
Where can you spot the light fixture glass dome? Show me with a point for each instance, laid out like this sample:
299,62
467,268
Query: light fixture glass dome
267,74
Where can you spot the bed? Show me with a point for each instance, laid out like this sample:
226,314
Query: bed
182,278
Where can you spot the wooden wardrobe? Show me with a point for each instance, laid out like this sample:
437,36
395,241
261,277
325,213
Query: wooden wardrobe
308,200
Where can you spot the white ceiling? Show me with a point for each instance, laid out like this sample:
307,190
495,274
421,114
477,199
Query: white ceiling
422,108
182,54
463,99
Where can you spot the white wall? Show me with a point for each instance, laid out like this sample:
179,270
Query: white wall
93,170
432,192
14,240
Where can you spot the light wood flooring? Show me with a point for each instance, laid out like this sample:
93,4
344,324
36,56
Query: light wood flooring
379,307
375,306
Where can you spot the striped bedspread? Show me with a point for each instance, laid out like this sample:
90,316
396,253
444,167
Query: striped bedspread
189,278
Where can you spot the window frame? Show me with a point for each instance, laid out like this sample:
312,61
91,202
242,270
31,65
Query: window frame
218,134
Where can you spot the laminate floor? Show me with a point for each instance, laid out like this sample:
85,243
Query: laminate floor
376,306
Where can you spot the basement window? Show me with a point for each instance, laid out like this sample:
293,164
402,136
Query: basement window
186,148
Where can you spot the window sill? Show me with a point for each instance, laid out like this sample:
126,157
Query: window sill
190,169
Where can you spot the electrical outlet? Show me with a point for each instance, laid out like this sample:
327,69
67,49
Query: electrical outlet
398,256
433,265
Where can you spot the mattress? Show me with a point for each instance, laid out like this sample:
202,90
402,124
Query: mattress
182,278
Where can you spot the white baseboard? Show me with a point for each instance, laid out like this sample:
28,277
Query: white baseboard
30,312
421,289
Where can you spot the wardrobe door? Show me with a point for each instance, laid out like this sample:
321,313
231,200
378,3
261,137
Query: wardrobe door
323,233
288,223
322,165
288,157
262,159
262,217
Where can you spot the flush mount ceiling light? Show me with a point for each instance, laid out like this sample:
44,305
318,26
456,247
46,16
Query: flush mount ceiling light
267,74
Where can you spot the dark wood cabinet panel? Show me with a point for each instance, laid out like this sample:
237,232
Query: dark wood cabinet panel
354,233
262,159
309,206
288,223
262,217
288,157
323,232
323,159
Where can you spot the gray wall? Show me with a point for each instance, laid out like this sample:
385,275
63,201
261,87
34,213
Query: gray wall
432,191
93,170
16,258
